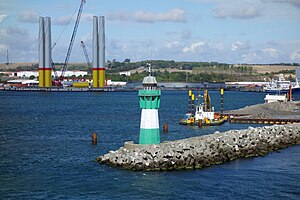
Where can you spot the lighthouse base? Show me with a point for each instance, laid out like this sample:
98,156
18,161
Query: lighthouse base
149,136
149,129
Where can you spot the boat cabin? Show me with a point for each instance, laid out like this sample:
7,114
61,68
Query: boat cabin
201,114
275,98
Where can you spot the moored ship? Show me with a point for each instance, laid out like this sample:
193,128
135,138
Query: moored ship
281,86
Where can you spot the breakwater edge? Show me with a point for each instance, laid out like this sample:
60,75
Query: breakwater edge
203,151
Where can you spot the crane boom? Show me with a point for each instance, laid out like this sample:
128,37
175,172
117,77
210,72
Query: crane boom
72,39
86,54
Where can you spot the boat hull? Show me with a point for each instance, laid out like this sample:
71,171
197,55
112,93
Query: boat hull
211,123
274,91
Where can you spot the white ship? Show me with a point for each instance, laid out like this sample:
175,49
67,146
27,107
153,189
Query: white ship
281,86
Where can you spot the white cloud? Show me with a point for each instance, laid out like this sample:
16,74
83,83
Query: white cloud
250,57
217,45
29,17
20,43
87,17
237,11
237,46
136,50
2,17
271,52
171,44
193,47
117,45
3,49
187,34
63,20
295,55
175,15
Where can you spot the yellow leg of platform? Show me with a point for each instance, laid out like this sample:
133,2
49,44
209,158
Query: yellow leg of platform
102,77
41,78
48,78
95,78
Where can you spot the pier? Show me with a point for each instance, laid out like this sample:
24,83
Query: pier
267,113
204,151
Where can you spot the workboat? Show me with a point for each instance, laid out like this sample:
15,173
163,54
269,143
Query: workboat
202,118
203,115
281,86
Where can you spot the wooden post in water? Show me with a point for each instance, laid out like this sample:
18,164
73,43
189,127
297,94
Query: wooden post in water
94,138
166,128
200,123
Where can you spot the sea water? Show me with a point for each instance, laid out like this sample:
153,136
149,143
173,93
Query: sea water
46,150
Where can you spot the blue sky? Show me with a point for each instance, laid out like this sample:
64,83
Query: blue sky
240,31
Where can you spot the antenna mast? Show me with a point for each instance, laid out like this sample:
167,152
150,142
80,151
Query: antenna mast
149,68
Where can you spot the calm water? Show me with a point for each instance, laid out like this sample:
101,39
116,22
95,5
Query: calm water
46,152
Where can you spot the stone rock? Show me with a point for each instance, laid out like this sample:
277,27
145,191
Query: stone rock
203,151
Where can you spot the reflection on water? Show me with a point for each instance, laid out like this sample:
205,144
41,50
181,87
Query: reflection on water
46,150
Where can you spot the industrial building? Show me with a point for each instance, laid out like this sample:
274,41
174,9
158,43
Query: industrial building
35,74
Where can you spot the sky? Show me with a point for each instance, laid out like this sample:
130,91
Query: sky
227,31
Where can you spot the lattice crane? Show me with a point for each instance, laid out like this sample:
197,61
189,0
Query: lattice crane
86,54
64,68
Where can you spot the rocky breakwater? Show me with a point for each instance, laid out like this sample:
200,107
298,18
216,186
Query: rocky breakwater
203,151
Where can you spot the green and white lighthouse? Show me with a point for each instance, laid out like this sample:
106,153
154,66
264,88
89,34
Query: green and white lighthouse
149,103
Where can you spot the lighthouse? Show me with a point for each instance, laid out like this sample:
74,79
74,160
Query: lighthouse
149,98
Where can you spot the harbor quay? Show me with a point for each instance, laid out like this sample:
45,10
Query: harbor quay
60,89
203,151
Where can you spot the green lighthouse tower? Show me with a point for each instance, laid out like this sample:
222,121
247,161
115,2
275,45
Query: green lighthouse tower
149,103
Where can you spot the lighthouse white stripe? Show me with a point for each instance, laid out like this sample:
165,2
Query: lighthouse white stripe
149,119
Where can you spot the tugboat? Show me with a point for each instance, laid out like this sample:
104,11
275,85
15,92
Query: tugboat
204,114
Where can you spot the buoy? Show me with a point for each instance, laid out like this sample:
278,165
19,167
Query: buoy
166,128
94,138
